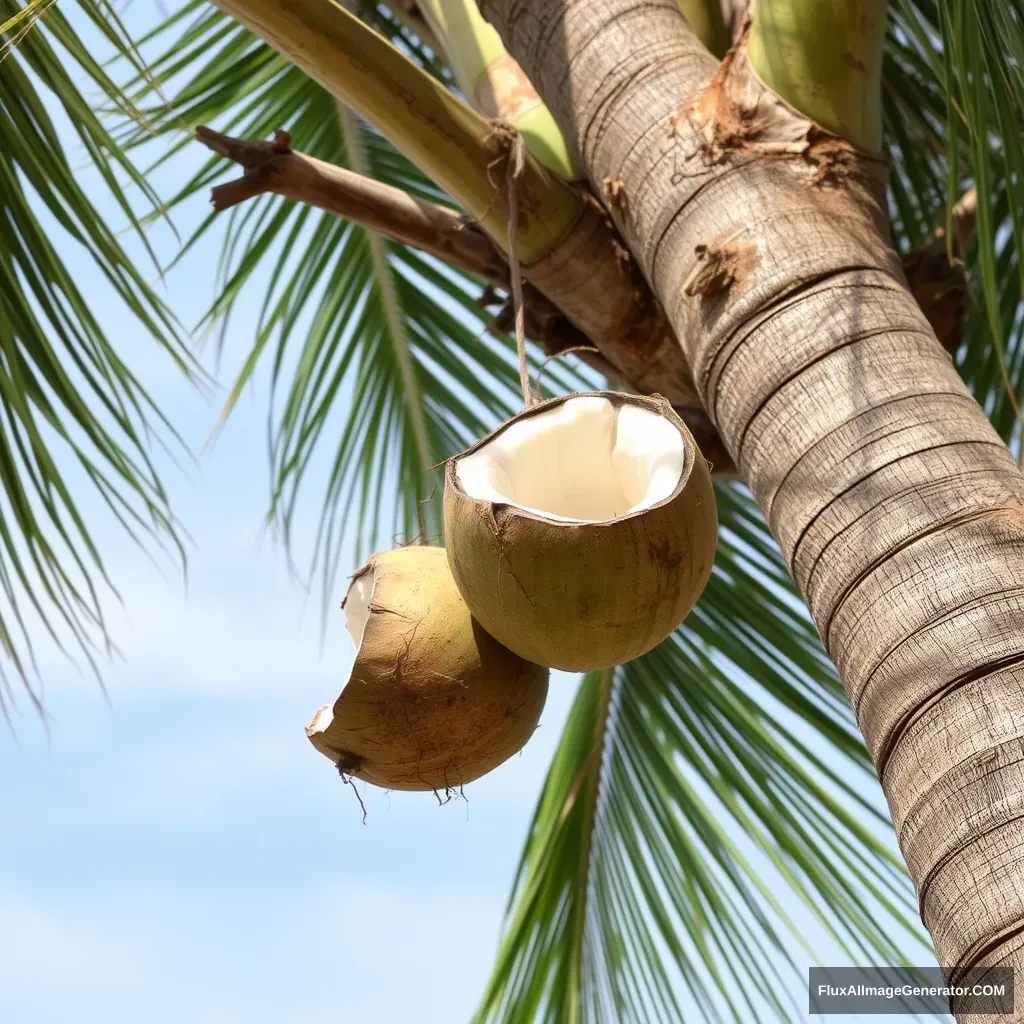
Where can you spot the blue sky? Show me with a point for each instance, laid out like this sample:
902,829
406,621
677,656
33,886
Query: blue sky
177,850
183,846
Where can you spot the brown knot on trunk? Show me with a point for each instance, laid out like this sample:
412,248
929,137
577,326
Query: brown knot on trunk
715,270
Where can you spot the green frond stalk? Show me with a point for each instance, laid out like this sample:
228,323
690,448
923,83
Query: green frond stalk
705,18
437,131
574,994
494,83
393,314
825,58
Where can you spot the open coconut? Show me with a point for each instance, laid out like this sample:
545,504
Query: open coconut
433,701
582,531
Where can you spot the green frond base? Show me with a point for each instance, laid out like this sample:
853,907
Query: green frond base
825,58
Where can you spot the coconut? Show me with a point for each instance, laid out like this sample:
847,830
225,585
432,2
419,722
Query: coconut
433,701
582,531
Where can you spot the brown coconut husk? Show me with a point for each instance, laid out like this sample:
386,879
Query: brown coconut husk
433,701
583,595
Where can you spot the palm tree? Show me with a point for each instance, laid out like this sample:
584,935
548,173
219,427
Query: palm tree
766,212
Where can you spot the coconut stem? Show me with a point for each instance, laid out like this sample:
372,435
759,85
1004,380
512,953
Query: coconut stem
516,159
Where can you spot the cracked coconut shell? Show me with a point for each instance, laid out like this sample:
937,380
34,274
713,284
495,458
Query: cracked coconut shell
582,531
433,701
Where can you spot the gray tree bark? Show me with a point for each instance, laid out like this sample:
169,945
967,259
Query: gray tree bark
897,506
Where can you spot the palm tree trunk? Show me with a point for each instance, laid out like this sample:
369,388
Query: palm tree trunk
898,508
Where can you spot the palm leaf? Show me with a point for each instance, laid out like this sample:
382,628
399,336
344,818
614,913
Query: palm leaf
965,79
913,117
327,324
75,416
690,792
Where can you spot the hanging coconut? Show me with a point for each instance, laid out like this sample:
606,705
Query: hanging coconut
582,531
433,702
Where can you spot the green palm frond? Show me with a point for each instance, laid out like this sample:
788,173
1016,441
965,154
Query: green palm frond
983,46
324,316
913,116
965,77
696,793
68,398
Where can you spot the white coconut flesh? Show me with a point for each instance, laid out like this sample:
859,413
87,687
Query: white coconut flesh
357,613
357,606
585,461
